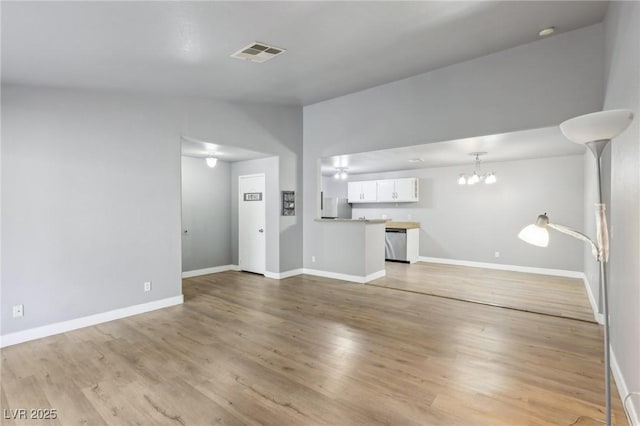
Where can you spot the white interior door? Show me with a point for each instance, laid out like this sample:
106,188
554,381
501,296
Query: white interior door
251,223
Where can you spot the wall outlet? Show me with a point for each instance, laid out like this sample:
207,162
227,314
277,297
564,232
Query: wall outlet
18,311
313,259
147,286
497,254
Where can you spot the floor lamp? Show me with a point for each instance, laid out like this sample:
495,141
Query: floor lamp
595,131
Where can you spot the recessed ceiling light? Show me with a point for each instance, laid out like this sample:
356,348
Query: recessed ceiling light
416,160
546,31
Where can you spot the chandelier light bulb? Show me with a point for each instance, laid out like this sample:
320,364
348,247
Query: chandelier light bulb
343,175
462,180
491,178
211,162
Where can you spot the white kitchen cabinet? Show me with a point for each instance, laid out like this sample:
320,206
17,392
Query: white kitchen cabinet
362,192
407,189
398,190
386,190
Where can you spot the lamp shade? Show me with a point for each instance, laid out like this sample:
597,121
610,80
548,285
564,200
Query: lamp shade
603,125
211,162
537,233
534,234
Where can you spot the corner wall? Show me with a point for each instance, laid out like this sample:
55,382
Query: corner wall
206,214
622,35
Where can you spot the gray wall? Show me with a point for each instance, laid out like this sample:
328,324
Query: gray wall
206,214
91,193
270,167
473,222
91,204
623,91
530,86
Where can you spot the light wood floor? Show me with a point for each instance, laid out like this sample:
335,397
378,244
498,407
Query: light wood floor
305,350
564,297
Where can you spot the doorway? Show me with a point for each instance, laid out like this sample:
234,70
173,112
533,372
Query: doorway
251,223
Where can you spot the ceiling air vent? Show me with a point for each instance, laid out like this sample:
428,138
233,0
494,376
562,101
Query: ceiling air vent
258,52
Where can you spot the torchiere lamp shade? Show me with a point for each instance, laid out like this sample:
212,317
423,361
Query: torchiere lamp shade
603,125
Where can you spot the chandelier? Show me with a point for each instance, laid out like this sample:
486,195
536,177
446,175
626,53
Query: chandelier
477,176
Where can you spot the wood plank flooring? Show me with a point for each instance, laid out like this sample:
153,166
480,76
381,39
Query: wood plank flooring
560,296
244,349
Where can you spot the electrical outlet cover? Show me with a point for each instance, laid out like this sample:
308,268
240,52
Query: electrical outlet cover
18,311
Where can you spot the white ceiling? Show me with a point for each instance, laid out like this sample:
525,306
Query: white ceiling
333,48
202,149
527,144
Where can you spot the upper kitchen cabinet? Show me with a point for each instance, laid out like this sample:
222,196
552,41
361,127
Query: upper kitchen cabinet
362,192
398,190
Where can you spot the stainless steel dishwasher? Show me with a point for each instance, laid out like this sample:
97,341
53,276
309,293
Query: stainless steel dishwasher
395,245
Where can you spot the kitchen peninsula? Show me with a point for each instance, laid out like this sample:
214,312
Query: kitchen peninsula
352,249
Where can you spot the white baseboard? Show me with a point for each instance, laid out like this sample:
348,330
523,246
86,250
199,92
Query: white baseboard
375,275
502,267
623,390
74,324
345,277
592,300
283,275
207,271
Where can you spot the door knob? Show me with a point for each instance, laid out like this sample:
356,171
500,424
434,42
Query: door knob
261,230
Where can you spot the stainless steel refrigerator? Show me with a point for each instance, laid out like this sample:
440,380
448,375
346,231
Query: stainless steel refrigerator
335,208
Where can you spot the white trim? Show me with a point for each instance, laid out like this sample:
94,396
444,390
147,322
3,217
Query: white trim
500,266
375,275
282,275
528,269
345,277
623,391
212,270
592,300
74,324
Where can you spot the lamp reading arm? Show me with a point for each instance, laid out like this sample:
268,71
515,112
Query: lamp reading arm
578,235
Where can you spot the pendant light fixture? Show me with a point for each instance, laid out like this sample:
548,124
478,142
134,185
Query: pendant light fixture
477,176
211,161
341,173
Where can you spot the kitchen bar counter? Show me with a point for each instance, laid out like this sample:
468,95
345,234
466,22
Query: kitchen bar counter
402,225
354,220
349,249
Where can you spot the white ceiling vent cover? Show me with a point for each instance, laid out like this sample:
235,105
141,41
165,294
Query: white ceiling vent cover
258,52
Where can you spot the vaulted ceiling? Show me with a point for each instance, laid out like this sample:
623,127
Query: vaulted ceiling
333,48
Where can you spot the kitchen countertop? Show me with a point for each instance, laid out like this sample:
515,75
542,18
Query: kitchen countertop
353,220
402,225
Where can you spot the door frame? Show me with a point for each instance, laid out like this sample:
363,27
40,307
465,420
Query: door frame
264,199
